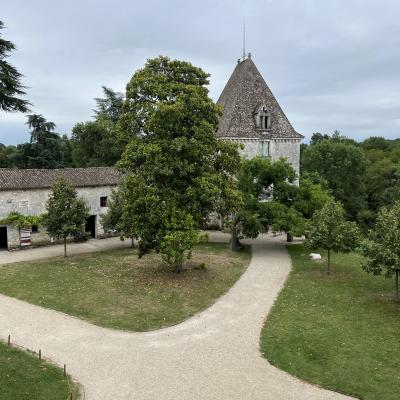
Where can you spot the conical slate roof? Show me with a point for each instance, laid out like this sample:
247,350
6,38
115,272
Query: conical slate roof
245,91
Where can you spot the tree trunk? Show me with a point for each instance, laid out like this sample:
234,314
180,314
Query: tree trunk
133,243
235,244
65,247
178,268
329,262
397,285
289,237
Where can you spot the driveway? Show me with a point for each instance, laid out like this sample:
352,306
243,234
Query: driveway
211,356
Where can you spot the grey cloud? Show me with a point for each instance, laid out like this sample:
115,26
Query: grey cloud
332,64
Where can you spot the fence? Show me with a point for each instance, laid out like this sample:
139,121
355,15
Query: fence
71,395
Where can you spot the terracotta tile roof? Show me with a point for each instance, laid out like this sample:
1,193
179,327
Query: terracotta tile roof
23,179
245,91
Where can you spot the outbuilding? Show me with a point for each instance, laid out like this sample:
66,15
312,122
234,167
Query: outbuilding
26,191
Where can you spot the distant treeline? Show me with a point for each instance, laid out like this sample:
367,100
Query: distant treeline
92,143
363,176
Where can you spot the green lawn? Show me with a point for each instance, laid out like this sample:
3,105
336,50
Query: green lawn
116,289
24,377
340,331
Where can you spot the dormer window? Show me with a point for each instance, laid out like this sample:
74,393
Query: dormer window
263,118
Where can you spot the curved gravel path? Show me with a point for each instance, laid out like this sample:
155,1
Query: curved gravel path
213,355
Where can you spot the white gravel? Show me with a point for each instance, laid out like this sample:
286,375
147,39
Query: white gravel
213,355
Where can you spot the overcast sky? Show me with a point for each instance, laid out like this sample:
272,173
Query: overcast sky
332,64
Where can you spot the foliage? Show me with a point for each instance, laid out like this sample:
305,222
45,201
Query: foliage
20,221
10,80
113,220
343,165
257,181
382,247
66,213
310,197
177,168
287,219
329,230
46,148
94,143
179,240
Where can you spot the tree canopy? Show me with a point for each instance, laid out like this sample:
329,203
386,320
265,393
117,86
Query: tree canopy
382,246
178,172
343,165
259,179
329,230
94,143
66,212
11,87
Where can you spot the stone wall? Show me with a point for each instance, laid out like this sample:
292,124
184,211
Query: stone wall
287,148
33,202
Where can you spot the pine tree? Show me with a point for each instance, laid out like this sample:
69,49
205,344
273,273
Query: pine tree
10,80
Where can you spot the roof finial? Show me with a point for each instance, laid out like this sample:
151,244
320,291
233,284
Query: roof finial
244,39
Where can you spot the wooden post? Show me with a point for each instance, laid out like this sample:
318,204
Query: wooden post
40,355
65,370
9,340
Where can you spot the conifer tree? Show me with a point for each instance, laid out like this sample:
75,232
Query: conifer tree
10,80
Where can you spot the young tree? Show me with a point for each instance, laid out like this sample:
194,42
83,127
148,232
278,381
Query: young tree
330,231
382,247
10,80
115,220
179,172
66,213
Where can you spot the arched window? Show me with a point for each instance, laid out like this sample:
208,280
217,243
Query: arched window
263,118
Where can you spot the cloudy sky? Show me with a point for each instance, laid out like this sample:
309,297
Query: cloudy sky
332,64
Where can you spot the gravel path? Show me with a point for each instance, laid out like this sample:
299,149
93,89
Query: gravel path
57,250
213,355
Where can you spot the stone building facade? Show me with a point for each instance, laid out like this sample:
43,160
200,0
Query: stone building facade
252,116
27,190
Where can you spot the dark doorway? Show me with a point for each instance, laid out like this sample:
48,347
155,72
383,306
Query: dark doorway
3,238
91,226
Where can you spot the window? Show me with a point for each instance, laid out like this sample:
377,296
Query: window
103,201
263,148
263,119
35,229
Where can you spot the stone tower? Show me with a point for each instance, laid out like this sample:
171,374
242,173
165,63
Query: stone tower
252,116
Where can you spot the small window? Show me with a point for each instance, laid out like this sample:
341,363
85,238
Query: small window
262,118
35,229
263,148
103,201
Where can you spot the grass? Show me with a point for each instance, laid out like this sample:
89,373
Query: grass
340,331
115,289
24,377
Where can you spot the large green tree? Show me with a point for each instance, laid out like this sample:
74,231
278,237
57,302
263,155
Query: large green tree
329,230
11,87
178,171
66,212
382,247
343,165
